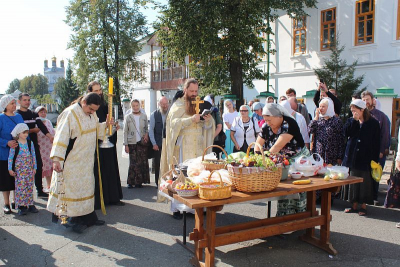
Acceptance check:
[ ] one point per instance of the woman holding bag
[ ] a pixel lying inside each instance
(362, 133)
(136, 138)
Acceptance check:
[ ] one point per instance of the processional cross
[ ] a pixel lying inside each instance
(197, 102)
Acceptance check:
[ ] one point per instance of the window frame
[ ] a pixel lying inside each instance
(294, 21)
(324, 22)
(372, 3)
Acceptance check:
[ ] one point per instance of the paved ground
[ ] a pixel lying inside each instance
(141, 234)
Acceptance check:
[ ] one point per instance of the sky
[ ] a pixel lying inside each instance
(33, 31)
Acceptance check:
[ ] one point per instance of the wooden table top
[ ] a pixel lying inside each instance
(284, 188)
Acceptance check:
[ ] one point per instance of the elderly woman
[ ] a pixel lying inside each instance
(328, 133)
(244, 129)
(136, 142)
(362, 134)
(45, 146)
(8, 120)
(281, 134)
(227, 117)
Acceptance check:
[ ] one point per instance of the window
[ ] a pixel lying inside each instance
(328, 28)
(364, 22)
(263, 56)
(398, 20)
(299, 35)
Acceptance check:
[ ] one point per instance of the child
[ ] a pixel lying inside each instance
(22, 165)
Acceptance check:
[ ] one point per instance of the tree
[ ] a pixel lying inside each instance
(14, 86)
(67, 89)
(337, 74)
(34, 85)
(106, 41)
(222, 38)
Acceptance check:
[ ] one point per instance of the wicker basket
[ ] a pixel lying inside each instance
(171, 187)
(214, 193)
(187, 193)
(258, 180)
(210, 166)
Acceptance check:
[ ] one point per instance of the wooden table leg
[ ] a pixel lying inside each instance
(199, 227)
(210, 232)
(311, 207)
(325, 231)
(323, 241)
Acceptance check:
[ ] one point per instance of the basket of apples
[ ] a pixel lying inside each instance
(187, 189)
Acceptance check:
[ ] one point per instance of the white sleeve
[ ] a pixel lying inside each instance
(303, 129)
(398, 148)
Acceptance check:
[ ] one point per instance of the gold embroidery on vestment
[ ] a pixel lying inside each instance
(72, 199)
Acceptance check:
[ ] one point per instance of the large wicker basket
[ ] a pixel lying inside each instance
(254, 179)
(214, 193)
(211, 165)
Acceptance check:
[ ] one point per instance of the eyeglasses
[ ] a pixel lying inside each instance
(244, 110)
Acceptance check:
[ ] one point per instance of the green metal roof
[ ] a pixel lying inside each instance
(267, 94)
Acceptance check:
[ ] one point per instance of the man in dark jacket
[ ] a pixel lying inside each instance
(157, 121)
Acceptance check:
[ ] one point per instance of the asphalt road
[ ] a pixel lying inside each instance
(142, 233)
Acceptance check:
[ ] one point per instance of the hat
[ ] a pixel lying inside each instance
(257, 106)
(359, 103)
(19, 128)
(4, 101)
(39, 108)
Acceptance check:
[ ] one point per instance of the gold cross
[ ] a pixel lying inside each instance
(197, 102)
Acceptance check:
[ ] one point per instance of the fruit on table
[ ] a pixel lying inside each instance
(299, 182)
(187, 186)
(327, 178)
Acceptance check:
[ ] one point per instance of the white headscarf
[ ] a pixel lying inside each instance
(19, 128)
(287, 105)
(330, 111)
(39, 108)
(208, 99)
(4, 101)
(359, 103)
(275, 110)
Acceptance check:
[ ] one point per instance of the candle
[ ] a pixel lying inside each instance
(110, 85)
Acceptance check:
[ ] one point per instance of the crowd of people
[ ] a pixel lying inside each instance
(30, 148)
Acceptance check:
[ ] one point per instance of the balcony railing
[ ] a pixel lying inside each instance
(175, 73)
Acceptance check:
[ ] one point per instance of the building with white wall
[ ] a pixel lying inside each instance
(369, 30)
(53, 73)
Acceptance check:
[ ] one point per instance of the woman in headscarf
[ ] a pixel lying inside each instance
(281, 134)
(8, 120)
(362, 133)
(244, 129)
(328, 133)
(227, 117)
(45, 146)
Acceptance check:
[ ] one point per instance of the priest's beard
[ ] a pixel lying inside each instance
(189, 107)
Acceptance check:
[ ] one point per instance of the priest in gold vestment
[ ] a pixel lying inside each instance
(72, 184)
(186, 134)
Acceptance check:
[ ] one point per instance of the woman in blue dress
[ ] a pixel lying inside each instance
(8, 120)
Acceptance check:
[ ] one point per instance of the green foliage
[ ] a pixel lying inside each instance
(67, 90)
(222, 38)
(339, 75)
(34, 85)
(14, 86)
(105, 41)
(44, 99)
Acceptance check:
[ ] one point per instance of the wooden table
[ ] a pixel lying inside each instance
(209, 236)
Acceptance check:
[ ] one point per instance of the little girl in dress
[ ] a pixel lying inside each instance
(22, 165)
